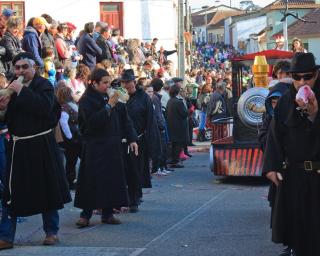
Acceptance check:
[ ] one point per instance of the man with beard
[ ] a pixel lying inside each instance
(140, 110)
(294, 139)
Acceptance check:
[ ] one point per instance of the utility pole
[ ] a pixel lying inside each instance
(285, 34)
(285, 26)
(187, 29)
(181, 48)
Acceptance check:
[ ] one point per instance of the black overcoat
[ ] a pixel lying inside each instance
(293, 138)
(101, 181)
(177, 121)
(38, 181)
(140, 109)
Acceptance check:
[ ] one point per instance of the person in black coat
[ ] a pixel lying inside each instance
(35, 180)
(279, 89)
(104, 44)
(87, 47)
(140, 110)
(101, 180)
(157, 85)
(178, 125)
(217, 107)
(294, 139)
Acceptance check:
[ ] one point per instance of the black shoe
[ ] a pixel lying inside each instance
(133, 209)
(176, 166)
(287, 252)
(188, 154)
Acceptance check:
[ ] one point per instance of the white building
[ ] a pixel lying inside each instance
(244, 26)
(143, 19)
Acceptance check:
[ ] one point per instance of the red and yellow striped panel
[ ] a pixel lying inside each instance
(238, 161)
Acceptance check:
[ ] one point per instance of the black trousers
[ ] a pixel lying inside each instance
(131, 164)
(72, 153)
(176, 149)
(160, 157)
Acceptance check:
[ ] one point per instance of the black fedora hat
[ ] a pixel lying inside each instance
(127, 75)
(303, 62)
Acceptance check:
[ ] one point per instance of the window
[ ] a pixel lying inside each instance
(16, 6)
(110, 8)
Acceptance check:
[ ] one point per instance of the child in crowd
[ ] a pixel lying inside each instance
(49, 67)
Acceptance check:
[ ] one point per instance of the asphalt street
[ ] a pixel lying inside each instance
(189, 212)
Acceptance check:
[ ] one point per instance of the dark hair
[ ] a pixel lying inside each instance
(47, 51)
(104, 29)
(157, 84)
(155, 39)
(97, 74)
(89, 27)
(116, 32)
(61, 27)
(174, 91)
(282, 65)
(30, 22)
(47, 17)
(147, 62)
(116, 83)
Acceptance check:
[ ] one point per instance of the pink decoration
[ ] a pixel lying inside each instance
(305, 93)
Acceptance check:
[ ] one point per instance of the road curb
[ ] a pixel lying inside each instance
(199, 149)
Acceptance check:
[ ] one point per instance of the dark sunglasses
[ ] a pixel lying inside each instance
(305, 77)
(24, 66)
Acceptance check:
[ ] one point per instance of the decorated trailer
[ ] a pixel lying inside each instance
(235, 150)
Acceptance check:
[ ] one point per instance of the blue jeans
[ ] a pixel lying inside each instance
(202, 124)
(8, 224)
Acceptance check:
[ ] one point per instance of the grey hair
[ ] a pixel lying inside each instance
(30, 61)
(221, 85)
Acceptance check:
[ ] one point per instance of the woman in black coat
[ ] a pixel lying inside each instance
(101, 181)
(178, 124)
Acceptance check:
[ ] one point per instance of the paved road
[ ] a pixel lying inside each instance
(188, 213)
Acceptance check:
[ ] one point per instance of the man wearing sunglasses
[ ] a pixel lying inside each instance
(35, 181)
(294, 142)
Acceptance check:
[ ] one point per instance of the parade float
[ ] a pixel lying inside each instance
(235, 150)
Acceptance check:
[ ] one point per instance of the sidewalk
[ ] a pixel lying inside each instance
(200, 147)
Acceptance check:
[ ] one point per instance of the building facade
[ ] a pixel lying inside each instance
(142, 19)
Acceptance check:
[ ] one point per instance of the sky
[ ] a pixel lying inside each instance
(235, 3)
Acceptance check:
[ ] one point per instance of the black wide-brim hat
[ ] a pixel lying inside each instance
(127, 75)
(303, 63)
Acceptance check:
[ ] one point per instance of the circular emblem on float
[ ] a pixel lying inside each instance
(251, 106)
